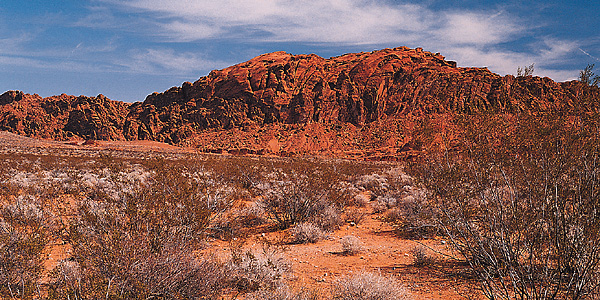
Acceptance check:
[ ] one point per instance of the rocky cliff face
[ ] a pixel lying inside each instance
(289, 104)
(298, 100)
(62, 117)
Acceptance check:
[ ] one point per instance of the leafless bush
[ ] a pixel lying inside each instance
(361, 199)
(384, 203)
(421, 258)
(413, 215)
(525, 218)
(525, 71)
(354, 215)
(67, 277)
(141, 243)
(294, 201)
(251, 215)
(330, 218)
(351, 245)
(23, 236)
(376, 183)
(124, 257)
(369, 286)
(307, 233)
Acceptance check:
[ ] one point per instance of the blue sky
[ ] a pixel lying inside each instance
(127, 49)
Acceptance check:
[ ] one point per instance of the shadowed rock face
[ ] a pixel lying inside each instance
(285, 103)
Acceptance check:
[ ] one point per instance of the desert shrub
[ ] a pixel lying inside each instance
(354, 215)
(351, 245)
(421, 258)
(361, 199)
(587, 76)
(523, 213)
(375, 183)
(281, 292)
(525, 71)
(369, 286)
(384, 184)
(249, 272)
(67, 277)
(305, 191)
(141, 243)
(329, 218)
(307, 233)
(168, 275)
(384, 203)
(294, 201)
(251, 215)
(413, 215)
(23, 235)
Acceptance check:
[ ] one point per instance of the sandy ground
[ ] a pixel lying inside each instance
(319, 264)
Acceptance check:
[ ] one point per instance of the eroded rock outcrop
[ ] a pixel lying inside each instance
(366, 92)
(62, 117)
(365, 103)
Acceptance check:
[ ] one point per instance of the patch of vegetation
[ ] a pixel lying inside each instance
(136, 228)
(369, 286)
(520, 205)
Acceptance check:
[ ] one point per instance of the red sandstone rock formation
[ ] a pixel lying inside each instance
(302, 102)
(62, 117)
(360, 104)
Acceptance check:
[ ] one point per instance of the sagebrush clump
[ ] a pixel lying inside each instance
(351, 245)
(369, 286)
(307, 233)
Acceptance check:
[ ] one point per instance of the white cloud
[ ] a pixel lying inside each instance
(186, 31)
(327, 21)
(477, 28)
(98, 17)
(167, 61)
(546, 53)
(15, 44)
(473, 38)
(44, 63)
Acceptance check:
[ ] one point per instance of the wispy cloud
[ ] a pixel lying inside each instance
(544, 55)
(140, 36)
(14, 44)
(98, 17)
(477, 28)
(472, 37)
(167, 61)
(327, 21)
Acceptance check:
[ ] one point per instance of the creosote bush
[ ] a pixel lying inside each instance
(248, 271)
(413, 215)
(521, 206)
(134, 228)
(421, 258)
(305, 193)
